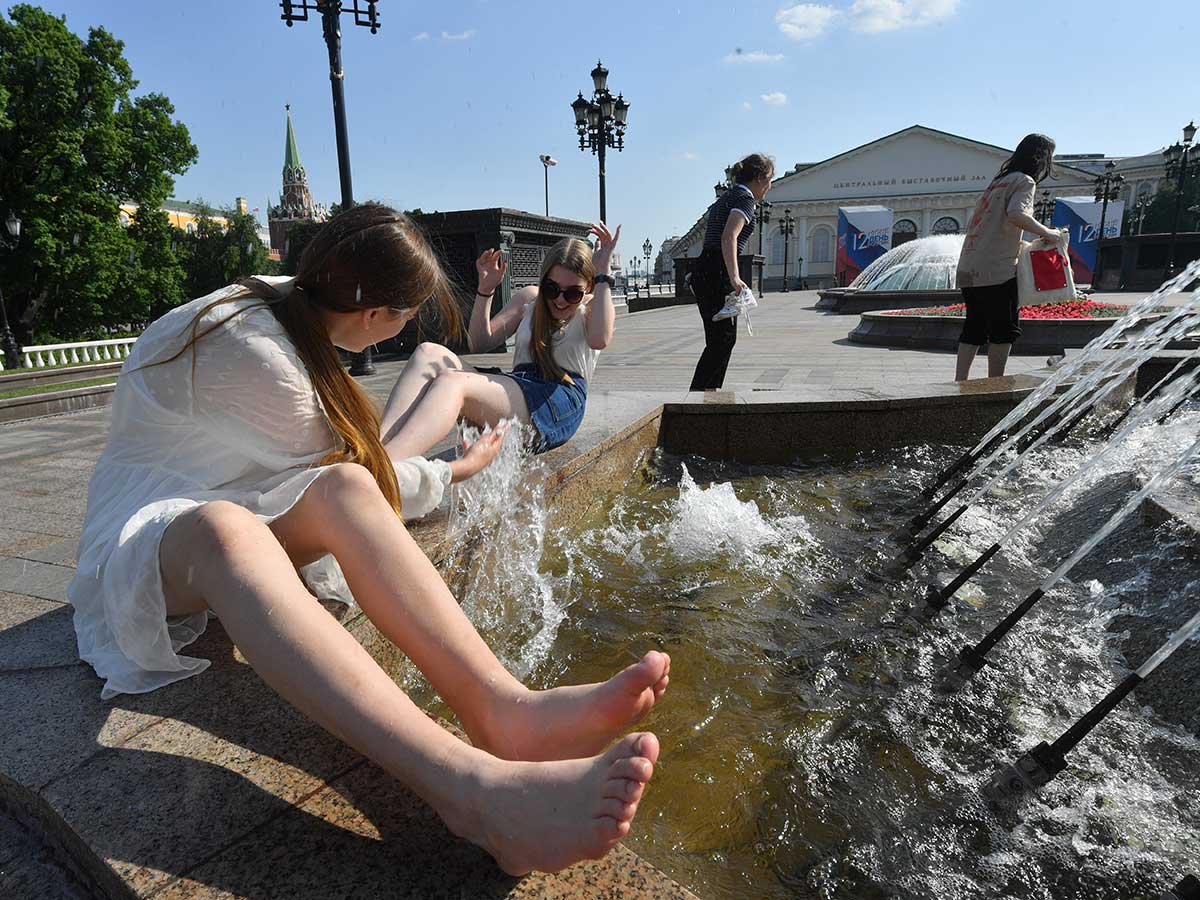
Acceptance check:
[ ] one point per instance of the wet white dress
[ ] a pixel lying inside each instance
(244, 425)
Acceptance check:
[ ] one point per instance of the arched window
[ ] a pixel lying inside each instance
(903, 231)
(945, 225)
(777, 248)
(820, 248)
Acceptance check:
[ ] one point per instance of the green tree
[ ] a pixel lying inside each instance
(1161, 212)
(73, 143)
(219, 254)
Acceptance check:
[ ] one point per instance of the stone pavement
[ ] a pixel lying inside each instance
(61, 742)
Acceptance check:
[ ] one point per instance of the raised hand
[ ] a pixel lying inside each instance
(606, 242)
(491, 267)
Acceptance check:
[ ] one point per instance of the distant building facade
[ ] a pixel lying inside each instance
(931, 180)
(182, 214)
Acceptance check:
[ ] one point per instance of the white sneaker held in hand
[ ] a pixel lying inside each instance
(736, 304)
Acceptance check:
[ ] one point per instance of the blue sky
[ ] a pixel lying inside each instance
(450, 103)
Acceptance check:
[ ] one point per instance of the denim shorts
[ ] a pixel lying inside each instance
(555, 408)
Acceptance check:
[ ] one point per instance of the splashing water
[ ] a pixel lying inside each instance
(499, 522)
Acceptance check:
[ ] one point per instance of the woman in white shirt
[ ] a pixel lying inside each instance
(561, 325)
(987, 265)
(228, 410)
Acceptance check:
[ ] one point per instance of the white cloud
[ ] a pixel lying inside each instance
(423, 36)
(746, 104)
(775, 98)
(805, 20)
(688, 154)
(873, 16)
(753, 56)
(461, 36)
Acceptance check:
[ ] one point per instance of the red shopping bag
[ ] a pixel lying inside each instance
(1049, 269)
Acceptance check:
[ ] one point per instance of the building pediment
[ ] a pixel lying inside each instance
(917, 160)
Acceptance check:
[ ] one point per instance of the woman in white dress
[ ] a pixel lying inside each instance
(228, 410)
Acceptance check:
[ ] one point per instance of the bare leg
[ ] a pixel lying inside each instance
(221, 557)
(966, 356)
(997, 359)
(427, 362)
(399, 589)
(478, 398)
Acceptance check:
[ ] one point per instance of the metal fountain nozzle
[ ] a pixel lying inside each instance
(958, 673)
(1033, 770)
(1188, 889)
(934, 604)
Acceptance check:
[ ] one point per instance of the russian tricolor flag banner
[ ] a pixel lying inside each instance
(864, 235)
(1081, 215)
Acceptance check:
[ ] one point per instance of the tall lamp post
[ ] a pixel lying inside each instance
(1108, 186)
(547, 162)
(1138, 213)
(12, 351)
(600, 123)
(1180, 167)
(1044, 209)
(764, 216)
(647, 249)
(367, 16)
(787, 227)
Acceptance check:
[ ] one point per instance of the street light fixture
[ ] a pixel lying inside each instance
(547, 162)
(1108, 187)
(647, 249)
(12, 350)
(1181, 167)
(367, 16)
(600, 124)
(1045, 208)
(788, 228)
(1138, 213)
(764, 216)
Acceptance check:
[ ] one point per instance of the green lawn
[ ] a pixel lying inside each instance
(49, 388)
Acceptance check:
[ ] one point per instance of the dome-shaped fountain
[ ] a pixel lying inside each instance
(917, 273)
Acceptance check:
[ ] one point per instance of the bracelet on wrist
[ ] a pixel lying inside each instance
(485, 296)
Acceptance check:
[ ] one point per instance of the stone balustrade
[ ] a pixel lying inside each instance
(42, 356)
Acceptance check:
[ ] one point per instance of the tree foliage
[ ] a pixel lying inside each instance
(74, 141)
(1160, 214)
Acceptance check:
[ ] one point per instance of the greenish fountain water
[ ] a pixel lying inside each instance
(805, 751)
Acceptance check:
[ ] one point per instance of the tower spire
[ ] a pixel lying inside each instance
(295, 202)
(291, 151)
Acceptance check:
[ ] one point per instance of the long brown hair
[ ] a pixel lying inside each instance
(365, 257)
(573, 254)
(1034, 156)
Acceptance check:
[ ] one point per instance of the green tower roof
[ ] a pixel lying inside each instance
(291, 153)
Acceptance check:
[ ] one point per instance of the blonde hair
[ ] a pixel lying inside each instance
(575, 255)
(365, 257)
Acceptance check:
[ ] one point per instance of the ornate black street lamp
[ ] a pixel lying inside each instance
(787, 227)
(547, 162)
(647, 249)
(1108, 187)
(1179, 166)
(9, 239)
(1044, 208)
(764, 216)
(600, 123)
(365, 14)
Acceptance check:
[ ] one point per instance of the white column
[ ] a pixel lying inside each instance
(926, 222)
(802, 244)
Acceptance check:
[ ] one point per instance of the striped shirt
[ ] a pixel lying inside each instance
(737, 200)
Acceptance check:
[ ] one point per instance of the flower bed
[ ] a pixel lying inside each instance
(1070, 309)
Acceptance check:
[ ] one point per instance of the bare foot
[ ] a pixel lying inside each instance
(549, 815)
(573, 721)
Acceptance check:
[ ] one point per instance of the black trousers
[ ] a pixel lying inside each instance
(710, 284)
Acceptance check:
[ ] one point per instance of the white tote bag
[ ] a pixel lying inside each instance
(1044, 272)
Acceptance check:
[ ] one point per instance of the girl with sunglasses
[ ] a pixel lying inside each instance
(561, 325)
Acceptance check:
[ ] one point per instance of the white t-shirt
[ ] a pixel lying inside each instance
(569, 346)
(989, 252)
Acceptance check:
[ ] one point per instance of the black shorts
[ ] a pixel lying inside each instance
(992, 314)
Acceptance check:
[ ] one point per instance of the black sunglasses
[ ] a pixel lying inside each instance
(551, 290)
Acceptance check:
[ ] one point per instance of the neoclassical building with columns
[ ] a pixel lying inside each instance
(930, 179)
